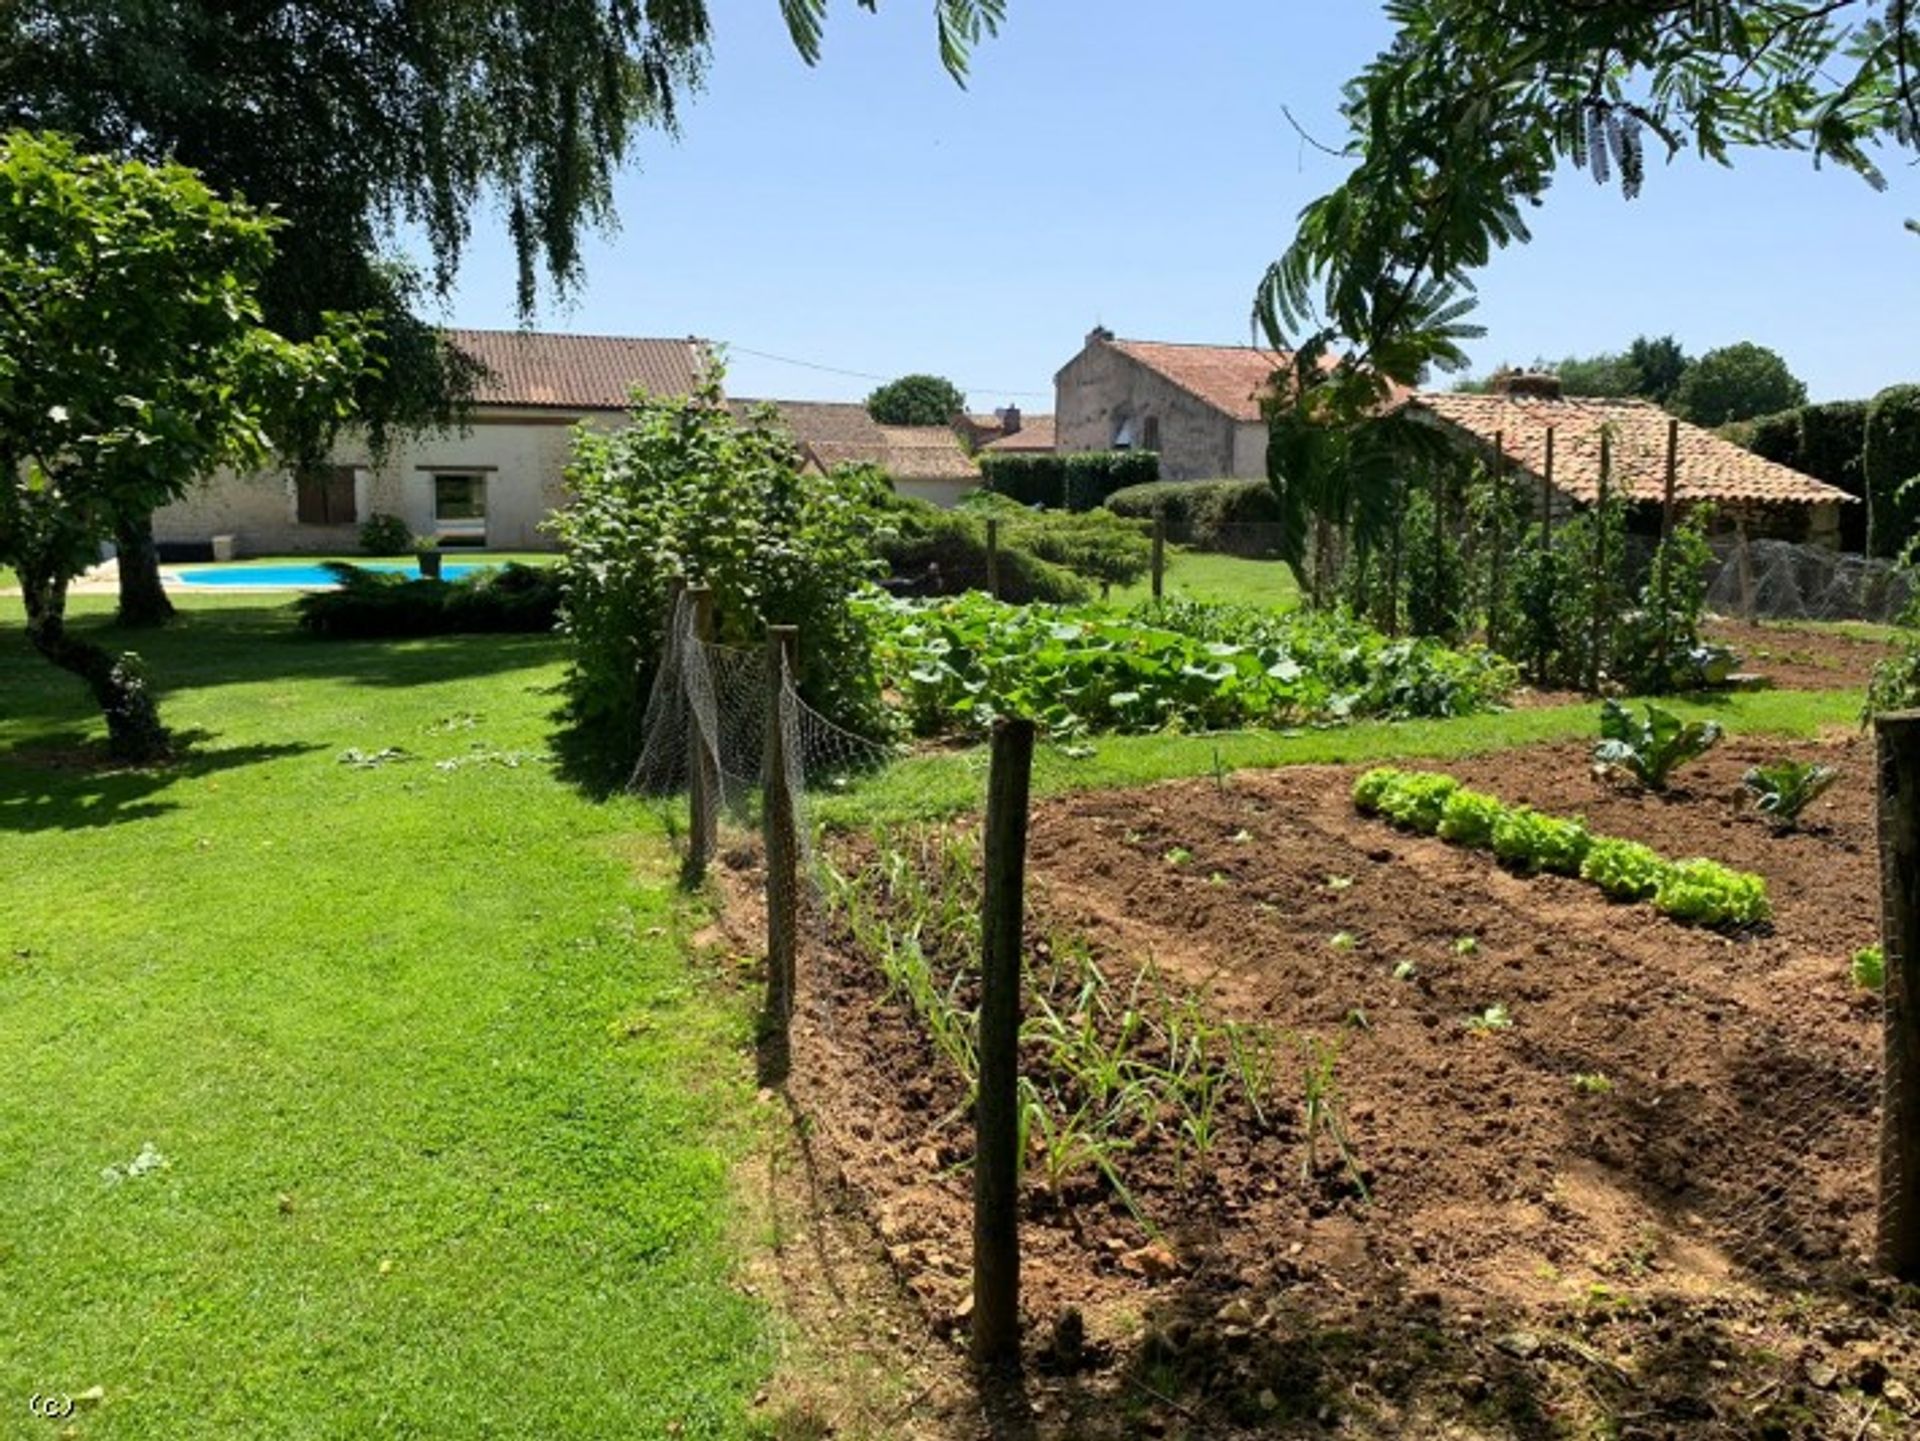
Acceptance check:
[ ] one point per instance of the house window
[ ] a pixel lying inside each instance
(1150, 434)
(460, 507)
(1123, 435)
(323, 495)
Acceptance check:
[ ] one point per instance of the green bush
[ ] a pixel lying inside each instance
(686, 489)
(1657, 646)
(379, 604)
(1079, 480)
(383, 534)
(1233, 517)
(1891, 459)
(1095, 544)
(1432, 572)
(944, 552)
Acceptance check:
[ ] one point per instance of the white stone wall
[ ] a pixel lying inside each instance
(523, 456)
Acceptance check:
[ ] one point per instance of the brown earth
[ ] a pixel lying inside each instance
(1800, 658)
(1679, 1249)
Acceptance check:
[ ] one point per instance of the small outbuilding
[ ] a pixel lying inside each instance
(1526, 418)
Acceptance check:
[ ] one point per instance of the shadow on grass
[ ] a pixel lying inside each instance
(235, 645)
(65, 782)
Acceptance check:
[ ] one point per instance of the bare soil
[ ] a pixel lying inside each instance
(1678, 1248)
(1797, 658)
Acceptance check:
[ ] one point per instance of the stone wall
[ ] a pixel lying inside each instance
(1101, 390)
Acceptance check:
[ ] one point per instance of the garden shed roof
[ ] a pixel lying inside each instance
(1711, 468)
(548, 370)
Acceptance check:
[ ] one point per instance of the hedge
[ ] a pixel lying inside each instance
(918, 536)
(1825, 441)
(380, 605)
(1238, 517)
(1892, 458)
(1077, 481)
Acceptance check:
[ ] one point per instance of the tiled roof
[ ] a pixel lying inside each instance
(1230, 378)
(578, 372)
(1035, 434)
(1709, 468)
(839, 432)
(926, 452)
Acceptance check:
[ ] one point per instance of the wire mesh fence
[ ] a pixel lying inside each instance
(1778, 580)
(1822, 1098)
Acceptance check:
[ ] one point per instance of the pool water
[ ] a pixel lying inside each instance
(311, 577)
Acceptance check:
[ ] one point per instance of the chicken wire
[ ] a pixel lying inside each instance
(1778, 580)
(1793, 1211)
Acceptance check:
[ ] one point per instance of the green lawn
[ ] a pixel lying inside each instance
(447, 1116)
(1201, 575)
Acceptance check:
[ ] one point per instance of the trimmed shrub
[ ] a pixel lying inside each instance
(1890, 459)
(1825, 441)
(1077, 481)
(383, 534)
(1236, 517)
(380, 605)
(931, 552)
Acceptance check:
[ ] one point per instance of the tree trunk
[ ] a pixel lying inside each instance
(134, 731)
(143, 601)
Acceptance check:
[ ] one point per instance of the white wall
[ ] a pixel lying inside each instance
(522, 454)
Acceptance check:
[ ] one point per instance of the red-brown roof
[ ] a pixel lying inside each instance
(1035, 434)
(1709, 468)
(1230, 378)
(578, 372)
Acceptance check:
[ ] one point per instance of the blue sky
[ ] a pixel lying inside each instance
(1129, 163)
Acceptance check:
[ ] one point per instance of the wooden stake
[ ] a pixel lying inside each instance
(779, 826)
(993, 558)
(996, 1165)
(1159, 549)
(1493, 574)
(703, 772)
(1898, 747)
(1546, 497)
(1666, 556)
(1743, 558)
(1601, 600)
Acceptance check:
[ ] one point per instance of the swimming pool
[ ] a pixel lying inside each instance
(311, 577)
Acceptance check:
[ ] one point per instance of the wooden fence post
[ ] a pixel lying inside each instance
(996, 1164)
(993, 558)
(1159, 549)
(1546, 497)
(1601, 600)
(1493, 577)
(703, 778)
(1666, 557)
(1743, 561)
(780, 828)
(1898, 743)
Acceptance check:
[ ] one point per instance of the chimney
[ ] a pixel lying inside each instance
(1099, 334)
(1538, 384)
(1010, 420)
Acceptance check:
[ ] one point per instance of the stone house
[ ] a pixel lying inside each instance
(488, 483)
(1197, 406)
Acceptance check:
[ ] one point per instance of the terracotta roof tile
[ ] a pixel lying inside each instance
(1230, 378)
(1035, 434)
(1710, 468)
(578, 372)
(841, 432)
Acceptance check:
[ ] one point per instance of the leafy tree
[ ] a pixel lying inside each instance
(1598, 375)
(1660, 365)
(1737, 382)
(916, 400)
(685, 489)
(348, 117)
(1891, 461)
(132, 363)
(1462, 124)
